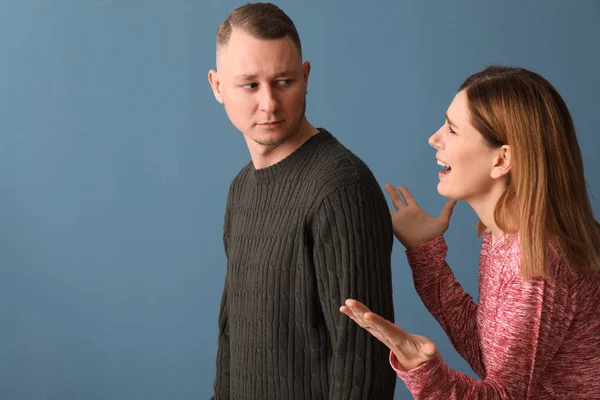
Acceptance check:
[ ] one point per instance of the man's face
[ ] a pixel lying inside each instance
(262, 84)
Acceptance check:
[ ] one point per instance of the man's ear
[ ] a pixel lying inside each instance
(306, 73)
(215, 83)
(502, 163)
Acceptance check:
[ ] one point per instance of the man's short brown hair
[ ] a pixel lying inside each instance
(261, 20)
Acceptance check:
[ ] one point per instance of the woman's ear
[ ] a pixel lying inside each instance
(502, 162)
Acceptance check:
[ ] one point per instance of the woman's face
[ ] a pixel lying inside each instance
(467, 160)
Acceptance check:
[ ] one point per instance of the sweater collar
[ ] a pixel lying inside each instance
(277, 170)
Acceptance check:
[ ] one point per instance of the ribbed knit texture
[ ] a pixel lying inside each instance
(301, 236)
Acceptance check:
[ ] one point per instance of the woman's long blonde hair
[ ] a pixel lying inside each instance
(546, 192)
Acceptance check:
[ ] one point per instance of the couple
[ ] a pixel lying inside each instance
(307, 230)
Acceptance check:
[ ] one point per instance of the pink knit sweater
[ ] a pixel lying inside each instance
(537, 339)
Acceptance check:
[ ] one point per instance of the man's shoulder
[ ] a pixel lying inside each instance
(337, 166)
(340, 175)
(241, 177)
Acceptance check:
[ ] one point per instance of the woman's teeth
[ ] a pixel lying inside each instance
(446, 166)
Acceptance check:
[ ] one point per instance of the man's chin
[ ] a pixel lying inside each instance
(274, 137)
(270, 139)
(270, 142)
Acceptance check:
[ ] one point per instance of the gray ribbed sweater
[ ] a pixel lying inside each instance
(301, 236)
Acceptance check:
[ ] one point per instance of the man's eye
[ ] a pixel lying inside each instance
(250, 86)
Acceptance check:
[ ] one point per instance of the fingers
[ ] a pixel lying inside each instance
(394, 196)
(378, 326)
(356, 305)
(447, 210)
(358, 311)
(346, 310)
(360, 314)
(414, 349)
(356, 317)
(387, 328)
(408, 198)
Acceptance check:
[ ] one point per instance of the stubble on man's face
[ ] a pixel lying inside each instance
(267, 63)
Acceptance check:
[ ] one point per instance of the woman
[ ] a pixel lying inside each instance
(508, 148)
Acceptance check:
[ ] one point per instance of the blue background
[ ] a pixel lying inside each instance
(115, 161)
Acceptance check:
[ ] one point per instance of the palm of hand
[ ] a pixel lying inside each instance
(412, 225)
(410, 350)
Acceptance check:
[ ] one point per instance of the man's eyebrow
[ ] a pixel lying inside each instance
(284, 73)
(245, 77)
(250, 77)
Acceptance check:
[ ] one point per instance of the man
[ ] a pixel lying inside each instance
(306, 227)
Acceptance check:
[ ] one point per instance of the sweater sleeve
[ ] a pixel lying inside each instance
(221, 383)
(353, 240)
(446, 300)
(532, 320)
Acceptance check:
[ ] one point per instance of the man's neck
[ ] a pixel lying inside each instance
(266, 156)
